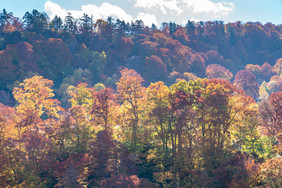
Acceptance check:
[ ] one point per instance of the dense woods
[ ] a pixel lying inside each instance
(105, 103)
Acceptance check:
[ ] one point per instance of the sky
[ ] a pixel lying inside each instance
(155, 11)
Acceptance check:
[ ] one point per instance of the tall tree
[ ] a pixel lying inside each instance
(56, 24)
(246, 80)
(36, 21)
(86, 24)
(70, 24)
(130, 92)
(103, 108)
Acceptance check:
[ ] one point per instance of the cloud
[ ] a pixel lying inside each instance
(164, 5)
(104, 11)
(214, 9)
(148, 19)
(186, 8)
(150, 11)
(53, 9)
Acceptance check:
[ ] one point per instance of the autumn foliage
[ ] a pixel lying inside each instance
(114, 104)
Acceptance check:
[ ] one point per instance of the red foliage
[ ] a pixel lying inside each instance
(276, 102)
(214, 57)
(154, 69)
(246, 80)
(104, 99)
(71, 171)
(218, 71)
(123, 47)
(55, 55)
(267, 71)
(17, 57)
(123, 180)
(198, 64)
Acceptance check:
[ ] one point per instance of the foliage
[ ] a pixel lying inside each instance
(174, 128)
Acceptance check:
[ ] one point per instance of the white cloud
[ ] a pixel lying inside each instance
(209, 7)
(104, 11)
(184, 8)
(151, 11)
(164, 5)
(53, 9)
(148, 19)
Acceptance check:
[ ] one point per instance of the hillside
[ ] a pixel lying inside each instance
(57, 49)
(106, 103)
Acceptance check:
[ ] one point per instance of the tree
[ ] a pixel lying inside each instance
(5, 18)
(214, 115)
(72, 172)
(190, 27)
(36, 21)
(80, 129)
(182, 127)
(246, 80)
(278, 66)
(267, 71)
(218, 71)
(157, 121)
(56, 24)
(255, 69)
(81, 95)
(35, 106)
(158, 109)
(271, 114)
(103, 108)
(270, 172)
(130, 92)
(110, 159)
(154, 68)
(9, 152)
(70, 24)
(34, 98)
(86, 24)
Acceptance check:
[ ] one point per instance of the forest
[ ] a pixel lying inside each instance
(105, 103)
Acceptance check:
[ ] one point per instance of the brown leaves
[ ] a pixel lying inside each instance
(103, 108)
(73, 170)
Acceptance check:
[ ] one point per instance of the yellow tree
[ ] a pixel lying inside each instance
(34, 106)
(157, 105)
(131, 92)
(34, 99)
(79, 116)
(81, 95)
(8, 152)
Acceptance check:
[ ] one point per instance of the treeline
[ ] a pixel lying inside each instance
(201, 133)
(69, 51)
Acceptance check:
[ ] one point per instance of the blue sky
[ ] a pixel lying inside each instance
(156, 11)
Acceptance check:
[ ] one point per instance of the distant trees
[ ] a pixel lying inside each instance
(218, 71)
(70, 23)
(56, 24)
(36, 21)
(246, 80)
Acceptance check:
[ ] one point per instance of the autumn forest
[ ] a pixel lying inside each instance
(105, 103)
